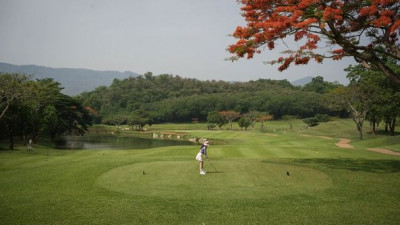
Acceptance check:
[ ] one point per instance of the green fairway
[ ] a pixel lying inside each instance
(326, 184)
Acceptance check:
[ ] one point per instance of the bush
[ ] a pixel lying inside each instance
(322, 117)
(211, 126)
(311, 122)
(244, 122)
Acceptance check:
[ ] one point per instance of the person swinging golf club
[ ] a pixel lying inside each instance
(199, 156)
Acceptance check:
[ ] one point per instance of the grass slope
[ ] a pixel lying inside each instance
(327, 184)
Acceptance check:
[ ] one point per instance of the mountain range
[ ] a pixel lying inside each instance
(74, 81)
(302, 81)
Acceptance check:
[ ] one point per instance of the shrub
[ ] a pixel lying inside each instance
(311, 122)
(322, 117)
(211, 126)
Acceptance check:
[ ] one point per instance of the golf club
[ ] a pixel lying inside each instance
(212, 165)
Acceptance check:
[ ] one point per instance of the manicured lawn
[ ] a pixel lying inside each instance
(326, 184)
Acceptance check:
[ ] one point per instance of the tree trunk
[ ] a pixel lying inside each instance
(359, 122)
(373, 127)
(11, 141)
(359, 128)
(392, 126)
(34, 135)
(386, 127)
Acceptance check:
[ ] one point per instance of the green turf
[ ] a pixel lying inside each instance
(327, 184)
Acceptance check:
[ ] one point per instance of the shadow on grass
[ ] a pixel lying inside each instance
(384, 133)
(365, 165)
(214, 172)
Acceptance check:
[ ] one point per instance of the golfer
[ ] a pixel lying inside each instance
(199, 157)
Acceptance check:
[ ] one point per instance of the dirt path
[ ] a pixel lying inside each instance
(324, 137)
(344, 143)
(384, 151)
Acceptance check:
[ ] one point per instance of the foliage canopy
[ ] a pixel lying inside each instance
(367, 30)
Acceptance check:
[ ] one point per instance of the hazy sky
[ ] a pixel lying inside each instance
(180, 37)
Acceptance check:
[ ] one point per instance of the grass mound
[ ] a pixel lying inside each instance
(235, 179)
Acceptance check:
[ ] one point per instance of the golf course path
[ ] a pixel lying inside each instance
(384, 151)
(344, 143)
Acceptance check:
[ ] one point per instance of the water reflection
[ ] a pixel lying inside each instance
(112, 142)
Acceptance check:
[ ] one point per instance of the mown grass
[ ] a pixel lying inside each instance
(326, 184)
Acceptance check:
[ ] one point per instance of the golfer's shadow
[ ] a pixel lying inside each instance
(214, 172)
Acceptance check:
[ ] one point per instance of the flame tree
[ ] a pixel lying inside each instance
(367, 30)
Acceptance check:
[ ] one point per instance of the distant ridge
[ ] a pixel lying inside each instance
(303, 81)
(74, 81)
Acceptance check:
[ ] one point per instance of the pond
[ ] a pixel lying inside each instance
(113, 142)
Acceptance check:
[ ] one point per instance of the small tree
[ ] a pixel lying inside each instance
(252, 117)
(289, 119)
(211, 126)
(139, 119)
(244, 122)
(230, 116)
(116, 120)
(264, 117)
(215, 118)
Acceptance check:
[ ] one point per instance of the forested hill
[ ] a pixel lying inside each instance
(74, 81)
(168, 98)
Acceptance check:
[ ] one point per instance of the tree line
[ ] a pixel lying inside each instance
(37, 108)
(151, 99)
(168, 98)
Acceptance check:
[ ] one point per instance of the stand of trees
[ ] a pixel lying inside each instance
(167, 98)
(370, 96)
(32, 109)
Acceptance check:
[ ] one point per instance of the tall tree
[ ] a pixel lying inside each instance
(72, 117)
(357, 99)
(42, 94)
(367, 30)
